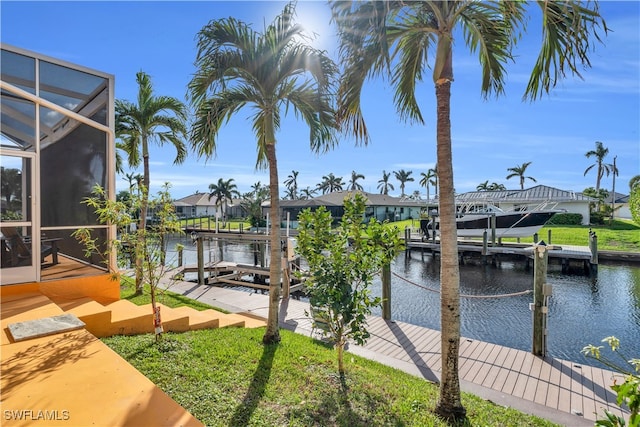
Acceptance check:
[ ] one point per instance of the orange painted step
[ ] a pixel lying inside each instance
(129, 319)
(97, 318)
(224, 320)
(199, 319)
(172, 320)
(250, 320)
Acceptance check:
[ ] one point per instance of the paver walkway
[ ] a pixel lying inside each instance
(559, 390)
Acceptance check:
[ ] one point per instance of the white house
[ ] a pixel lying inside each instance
(540, 195)
(199, 205)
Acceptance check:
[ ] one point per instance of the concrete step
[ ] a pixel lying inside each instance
(96, 316)
(172, 320)
(198, 319)
(129, 319)
(250, 320)
(126, 318)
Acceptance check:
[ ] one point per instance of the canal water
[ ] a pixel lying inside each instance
(582, 310)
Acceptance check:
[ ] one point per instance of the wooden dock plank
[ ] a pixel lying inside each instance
(520, 385)
(480, 368)
(510, 382)
(534, 382)
(495, 366)
(564, 397)
(469, 368)
(553, 390)
(544, 376)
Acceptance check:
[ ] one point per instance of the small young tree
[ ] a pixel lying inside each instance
(148, 244)
(342, 265)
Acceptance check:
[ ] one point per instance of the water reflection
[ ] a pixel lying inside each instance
(582, 310)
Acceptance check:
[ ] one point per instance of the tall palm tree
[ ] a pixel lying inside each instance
(427, 179)
(600, 153)
(419, 36)
(519, 171)
(223, 191)
(330, 183)
(353, 182)
(403, 176)
(384, 185)
(268, 71)
(292, 184)
(159, 119)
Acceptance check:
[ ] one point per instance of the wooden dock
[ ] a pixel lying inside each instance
(231, 273)
(565, 255)
(565, 392)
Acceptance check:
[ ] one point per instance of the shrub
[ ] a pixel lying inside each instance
(597, 218)
(566, 219)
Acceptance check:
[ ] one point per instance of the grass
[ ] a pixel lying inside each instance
(227, 377)
(622, 235)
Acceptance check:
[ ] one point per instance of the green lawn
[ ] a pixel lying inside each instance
(227, 377)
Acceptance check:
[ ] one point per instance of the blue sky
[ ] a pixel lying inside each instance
(489, 136)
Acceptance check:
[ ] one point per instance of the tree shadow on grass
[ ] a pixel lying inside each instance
(336, 406)
(255, 392)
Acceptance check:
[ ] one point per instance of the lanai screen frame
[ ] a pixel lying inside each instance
(67, 126)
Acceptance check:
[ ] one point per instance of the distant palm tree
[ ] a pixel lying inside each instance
(600, 153)
(307, 193)
(403, 176)
(519, 171)
(153, 118)
(384, 185)
(272, 72)
(330, 183)
(292, 185)
(427, 179)
(434, 181)
(415, 195)
(222, 192)
(497, 187)
(483, 186)
(353, 184)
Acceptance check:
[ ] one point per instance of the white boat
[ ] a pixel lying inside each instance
(474, 219)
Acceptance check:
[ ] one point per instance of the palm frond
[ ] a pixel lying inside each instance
(568, 29)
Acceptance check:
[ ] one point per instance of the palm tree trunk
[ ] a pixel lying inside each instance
(449, 404)
(272, 334)
(144, 203)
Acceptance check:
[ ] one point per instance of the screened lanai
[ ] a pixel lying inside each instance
(56, 144)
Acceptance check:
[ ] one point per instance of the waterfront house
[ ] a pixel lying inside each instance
(199, 205)
(539, 196)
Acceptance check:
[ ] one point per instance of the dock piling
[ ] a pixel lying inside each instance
(593, 248)
(540, 296)
(200, 249)
(386, 291)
